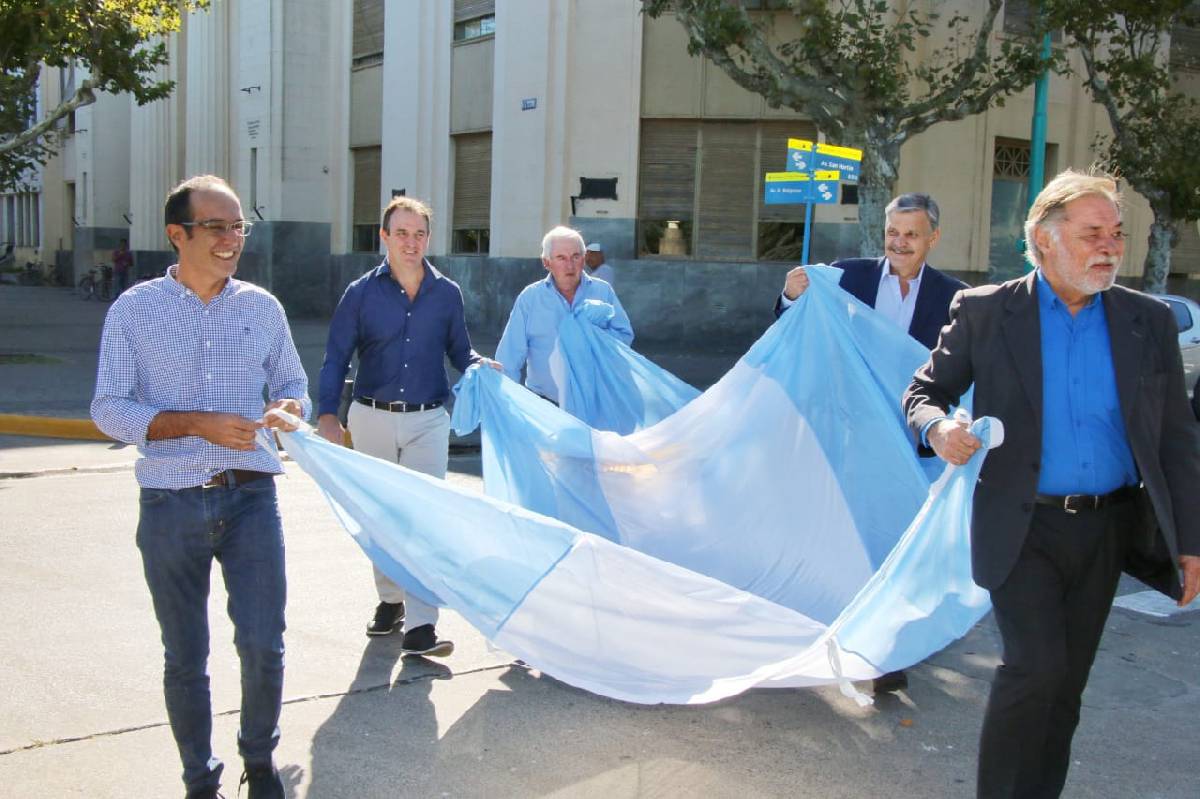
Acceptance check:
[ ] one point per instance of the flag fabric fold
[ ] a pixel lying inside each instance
(776, 530)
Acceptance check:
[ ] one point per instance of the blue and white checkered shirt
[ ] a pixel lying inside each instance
(165, 350)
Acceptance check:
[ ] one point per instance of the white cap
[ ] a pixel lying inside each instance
(595, 246)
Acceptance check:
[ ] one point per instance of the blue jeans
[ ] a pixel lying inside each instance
(179, 533)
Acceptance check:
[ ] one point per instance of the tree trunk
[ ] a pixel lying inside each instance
(1163, 236)
(876, 182)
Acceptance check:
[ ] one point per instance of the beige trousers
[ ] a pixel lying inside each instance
(420, 441)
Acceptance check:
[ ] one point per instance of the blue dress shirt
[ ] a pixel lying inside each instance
(401, 342)
(532, 329)
(164, 350)
(1085, 449)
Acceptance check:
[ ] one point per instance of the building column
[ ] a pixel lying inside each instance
(208, 88)
(529, 124)
(416, 111)
(155, 169)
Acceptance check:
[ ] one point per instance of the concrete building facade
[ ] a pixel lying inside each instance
(510, 118)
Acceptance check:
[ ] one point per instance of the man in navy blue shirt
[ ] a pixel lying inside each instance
(403, 319)
(1097, 473)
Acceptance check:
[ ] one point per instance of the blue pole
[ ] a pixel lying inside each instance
(808, 214)
(1037, 137)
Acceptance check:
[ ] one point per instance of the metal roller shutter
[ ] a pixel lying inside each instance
(472, 180)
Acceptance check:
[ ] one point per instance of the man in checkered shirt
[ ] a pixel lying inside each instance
(184, 363)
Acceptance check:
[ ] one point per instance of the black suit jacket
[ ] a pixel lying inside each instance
(994, 342)
(860, 277)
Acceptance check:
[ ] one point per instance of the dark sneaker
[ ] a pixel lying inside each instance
(423, 640)
(205, 793)
(212, 791)
(890, 683)
(388, 618)
(263, 782)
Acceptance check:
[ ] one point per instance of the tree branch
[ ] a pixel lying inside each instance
(84, 95)
(970, 67)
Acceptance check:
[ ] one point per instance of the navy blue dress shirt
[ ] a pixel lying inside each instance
(1085, 449)
(401, 342)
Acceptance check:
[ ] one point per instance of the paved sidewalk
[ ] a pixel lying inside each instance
(81, 710)
(49, 340)
(27, 456)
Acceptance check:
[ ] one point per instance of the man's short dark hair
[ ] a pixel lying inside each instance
(915, 201)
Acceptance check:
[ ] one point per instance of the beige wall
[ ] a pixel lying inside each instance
(951, 161)
(602, 121)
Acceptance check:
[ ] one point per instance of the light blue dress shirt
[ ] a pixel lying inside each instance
(532, 330)
(1085, 449)
(163, 349)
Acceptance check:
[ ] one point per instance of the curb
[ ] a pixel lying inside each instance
(50, 427)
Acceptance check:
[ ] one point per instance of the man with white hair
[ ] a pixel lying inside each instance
(1097, 473)
(532, 330)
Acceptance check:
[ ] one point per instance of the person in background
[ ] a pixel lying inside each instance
(122, 261)
(597, 267)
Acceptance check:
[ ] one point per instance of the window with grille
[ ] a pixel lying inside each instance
(1011, 159)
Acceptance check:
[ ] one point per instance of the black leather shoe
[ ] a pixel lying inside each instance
(423, 641)
(890, 683)
(388, 618)
(263, 782)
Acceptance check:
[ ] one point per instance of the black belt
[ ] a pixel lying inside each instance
(399, 407)
(1073, 503)
(235, 477)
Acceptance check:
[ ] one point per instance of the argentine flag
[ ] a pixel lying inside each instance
(777, 530)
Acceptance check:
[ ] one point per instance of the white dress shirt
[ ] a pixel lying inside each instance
(888, 301)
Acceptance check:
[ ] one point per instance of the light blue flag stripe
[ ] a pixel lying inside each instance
(435, 539)
(553, 472)
(611, 387)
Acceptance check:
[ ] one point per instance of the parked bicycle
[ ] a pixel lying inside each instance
(33, 274)
(96, 284)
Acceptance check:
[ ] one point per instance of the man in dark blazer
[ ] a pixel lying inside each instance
(887, 284)
(1097, 473)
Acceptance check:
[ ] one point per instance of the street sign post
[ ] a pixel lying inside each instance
(814, 171)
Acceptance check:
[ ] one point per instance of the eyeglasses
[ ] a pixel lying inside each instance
(217, 227)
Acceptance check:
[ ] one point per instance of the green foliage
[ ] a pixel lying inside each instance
(858, 63)
(1123, 46)
(865, 71)
(119, 42)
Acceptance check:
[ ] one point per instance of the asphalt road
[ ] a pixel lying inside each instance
(81, 712)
